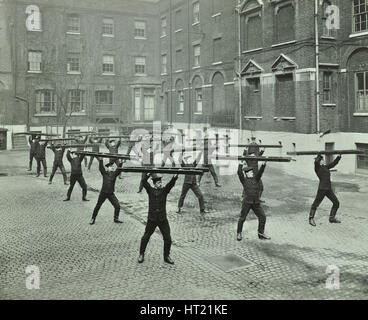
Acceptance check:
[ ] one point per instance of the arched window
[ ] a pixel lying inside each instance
(285, 22)
(180, 100)
(252, 33)
(197, 95)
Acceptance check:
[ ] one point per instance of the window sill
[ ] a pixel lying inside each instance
(196, 67)
(108, 35)
(253, 118)
(35, 30)
(328, 38)
(358, 34)
(178, 30)
(141, 74)
(73, 33)
(284, 118)
(108, 74)
(180, 113)
(283, 43)
(163, 74)
(216, 15)
(360, 114)
(33, 71)
(252, 50)
(178, 71)
(73, 72)
(44, 115)
(140, 38)
(163, 36)
(217, 63)
(329, 105)
(198, 113)
(195, 23)
(79, 114)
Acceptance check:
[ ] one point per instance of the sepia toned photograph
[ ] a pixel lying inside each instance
(183, 150)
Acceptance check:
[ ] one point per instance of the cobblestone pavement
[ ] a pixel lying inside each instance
(79, 261)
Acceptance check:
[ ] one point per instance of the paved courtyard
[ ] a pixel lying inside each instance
(79, 261)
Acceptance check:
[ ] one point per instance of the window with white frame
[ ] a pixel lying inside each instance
(107, 26)
(197, 55)
(326, 31)
(77, 100)
(137, 104)
(108, 64)
(181, 101)
(149, 104)
(45, 101)
(196, 12)
(198, 100)
(360, 15)
(33, 21)
(327, 86)
(73, 23)
(361, 85)
(179, 59)
(140, 29)
(34, 61)
(140, 65)
(163, 26)
(164, 63)
(73, 64)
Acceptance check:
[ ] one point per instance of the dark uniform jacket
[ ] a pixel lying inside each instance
(157, 199)
(251, 185)
(109, 178)
(323, 173)
(96, 142)
(59, 154)
(34, 144)
(113, 149)
(41, 151)
(188, 178)
(75, 163)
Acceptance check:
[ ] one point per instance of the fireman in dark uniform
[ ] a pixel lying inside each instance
(96, 148)
(109, 176)
(76, 174)
(33, 142)
(58, 162)
(324, 189)
(207, 162)
(41, 158)
(81, 140)
(113, 148)
(149, 149)
(190, 182)
(157, 217)
(254, 150)
(251, 187)
(168, 150)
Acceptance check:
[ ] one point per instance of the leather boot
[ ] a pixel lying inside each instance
(93, 220)
(332, 218)
(239, 236)
(311, 217)
(141, 258)
(262, 236)
(168, 260)
(116, 220)
(179, 210)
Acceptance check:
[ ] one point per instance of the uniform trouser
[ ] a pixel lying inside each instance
(258, 211)
(150, 229)
(44, 165)
(73, 179)
(197, 191)
(62, 168)
(101, 199)
(320, 196)
(212, 171)
(168, 155)
(31, 156)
